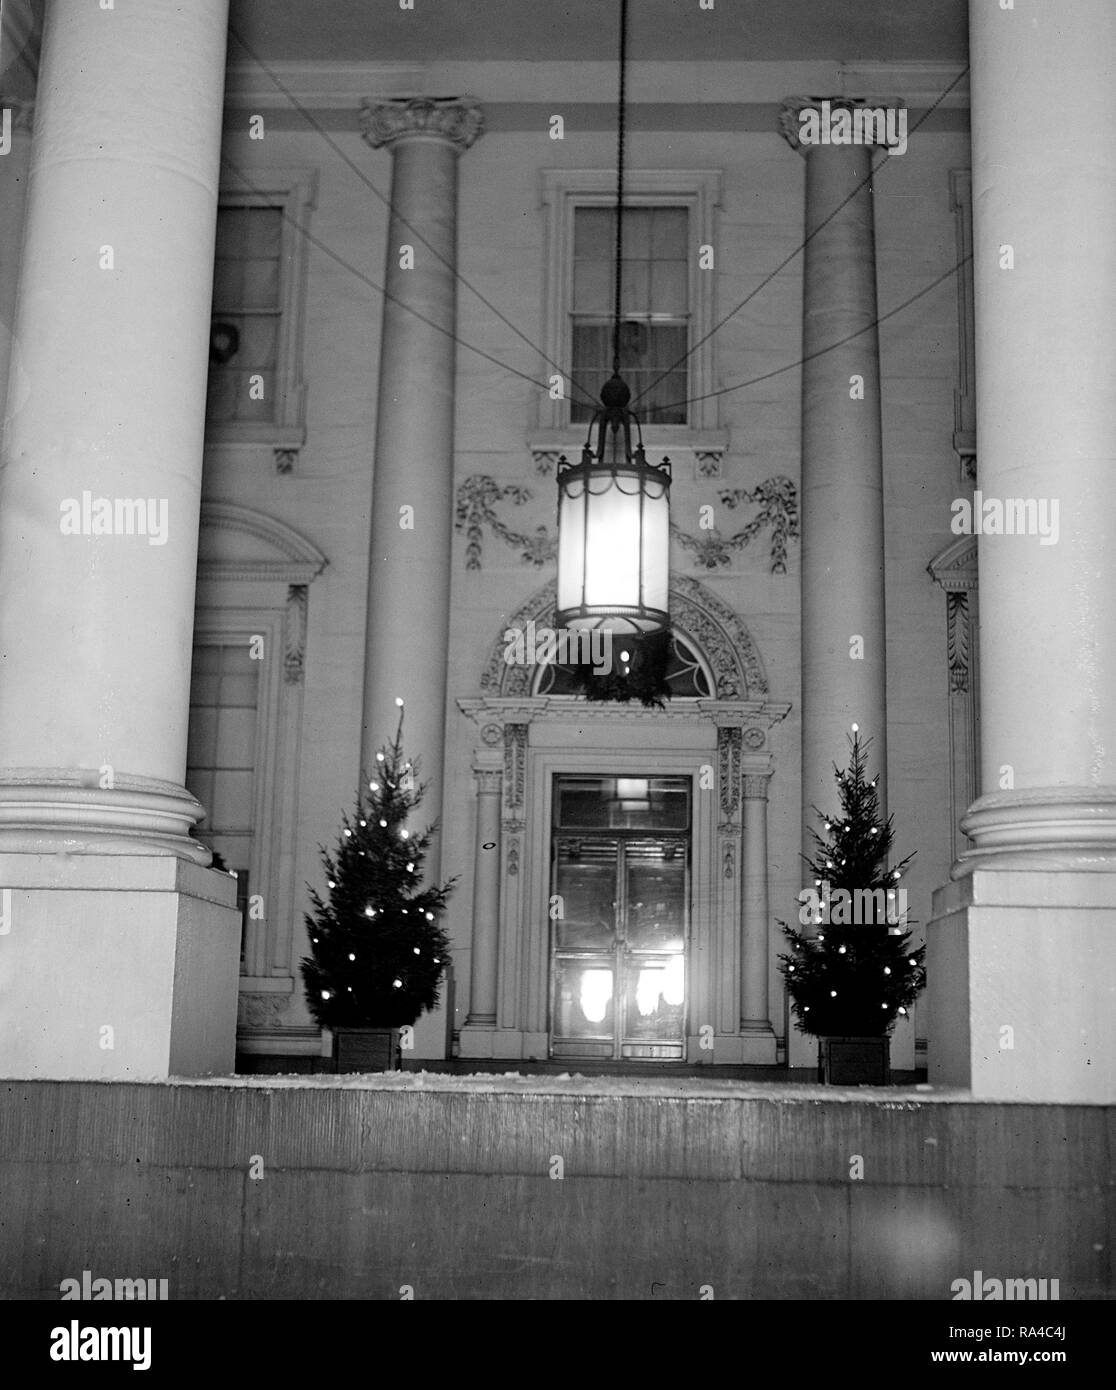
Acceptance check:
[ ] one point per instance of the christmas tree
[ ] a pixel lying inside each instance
(858, 972)
(379, 953)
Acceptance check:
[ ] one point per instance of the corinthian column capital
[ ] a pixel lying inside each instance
(457, 120)
(807, 122)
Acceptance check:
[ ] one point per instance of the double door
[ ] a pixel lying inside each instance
(619, 907)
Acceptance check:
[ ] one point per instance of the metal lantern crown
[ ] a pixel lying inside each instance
(614, 527)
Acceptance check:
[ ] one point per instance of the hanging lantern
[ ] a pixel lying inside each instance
(614, 527)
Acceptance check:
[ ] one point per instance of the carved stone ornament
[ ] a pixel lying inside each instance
(728, 746)
(294, 633)
(958, 639)
(263, 1010)
(460, 120)
(515, 763)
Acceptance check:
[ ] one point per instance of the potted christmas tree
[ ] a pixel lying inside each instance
(379, 952)
(856, 973)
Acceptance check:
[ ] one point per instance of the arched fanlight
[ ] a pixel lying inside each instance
(614, 506)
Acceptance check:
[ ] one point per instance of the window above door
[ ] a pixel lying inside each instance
(667, 300)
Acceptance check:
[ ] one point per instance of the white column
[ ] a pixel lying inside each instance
(412, 489)
(843, 659)
(755, 1021)
(96, 627)
(477, 1035)
(407, 634)
(1022, 950)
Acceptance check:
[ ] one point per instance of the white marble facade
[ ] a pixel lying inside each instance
(393, 514)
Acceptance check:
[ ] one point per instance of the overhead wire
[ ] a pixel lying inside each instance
(566, 375)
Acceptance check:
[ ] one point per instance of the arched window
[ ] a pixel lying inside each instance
(687, 675)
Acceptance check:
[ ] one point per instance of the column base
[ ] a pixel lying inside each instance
(47, 811)
(116, 967)
(1021, 993)
(1055, 828)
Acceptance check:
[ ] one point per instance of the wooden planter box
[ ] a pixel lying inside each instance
(854, 1061)
(366, 1049)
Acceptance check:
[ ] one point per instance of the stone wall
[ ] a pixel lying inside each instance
(450, 1186)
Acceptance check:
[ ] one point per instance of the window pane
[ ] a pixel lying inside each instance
(592, 287)
(236, 738)
(654, 284)
(232, 800)
(593, 233)
(635, 292)
(247, 406)
(203, 734)
(624, 802)
(238, 691)
(228, 290)
(591, 367)
(261, 285)
(668, 287)
(668, 234)
(637, 233)
(221, 401)
(232, 226)
(264, 232)
(258, 335)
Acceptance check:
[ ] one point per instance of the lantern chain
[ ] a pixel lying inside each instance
(620, 142)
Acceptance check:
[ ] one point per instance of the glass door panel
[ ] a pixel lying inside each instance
(653, 998)
(584, 1002)
(618, 963)
(585, 884)
(656, 895)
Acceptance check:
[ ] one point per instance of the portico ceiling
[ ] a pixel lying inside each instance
(564, 30)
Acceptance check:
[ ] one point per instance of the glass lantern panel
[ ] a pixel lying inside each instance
(571, 521)
(612, 550)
